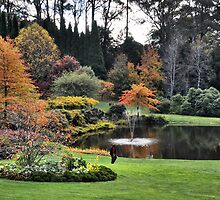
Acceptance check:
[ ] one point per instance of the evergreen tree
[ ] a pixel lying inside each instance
(69, 34)
(9, 27)
(133, 50)
(52, 29)
(14, 29)
(95, 55)
(75, 42)
(82, 49)
(63, 38)
(3, 25)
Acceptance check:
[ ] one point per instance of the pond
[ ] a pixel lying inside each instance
(168, 142)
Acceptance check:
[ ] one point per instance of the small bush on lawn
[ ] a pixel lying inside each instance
(69, 169)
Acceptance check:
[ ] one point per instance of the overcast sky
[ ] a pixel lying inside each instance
(137, 30)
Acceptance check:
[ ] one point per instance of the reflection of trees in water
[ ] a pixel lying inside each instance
(190, 142)
(184, 142)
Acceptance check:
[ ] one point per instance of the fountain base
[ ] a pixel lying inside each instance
(134, 141)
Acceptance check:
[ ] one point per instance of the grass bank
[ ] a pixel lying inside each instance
(190, 120)
(137, 179)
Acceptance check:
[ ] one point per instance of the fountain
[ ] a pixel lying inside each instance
(132, 117)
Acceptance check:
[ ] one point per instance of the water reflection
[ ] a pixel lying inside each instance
(176, 142)
(190, 142)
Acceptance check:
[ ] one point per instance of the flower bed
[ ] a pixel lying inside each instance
(69, 169)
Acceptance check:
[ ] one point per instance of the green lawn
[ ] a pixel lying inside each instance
(190, 120)
(137, 179)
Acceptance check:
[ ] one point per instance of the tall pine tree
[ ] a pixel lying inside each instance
(95, 54)
(3, 25)
(75, 42)
(69, 34)
(14, 29)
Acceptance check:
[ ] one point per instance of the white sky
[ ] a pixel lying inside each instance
(138, 31)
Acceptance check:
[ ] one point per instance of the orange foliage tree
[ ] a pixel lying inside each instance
(31, 115)
(148, 72)
(15, 84)
(139, 95)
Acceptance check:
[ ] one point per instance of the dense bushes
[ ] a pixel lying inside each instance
(197, 102)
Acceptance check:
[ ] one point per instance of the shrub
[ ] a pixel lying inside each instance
(71, 102)
(116, 111)
(93, 115)
(202, 102)
(88, 70)
(100, 125)
(164, 105)
(31, 146)
(153, 120)
(75, 84)
(186, 108)
(175, 104)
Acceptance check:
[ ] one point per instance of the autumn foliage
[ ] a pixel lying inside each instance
(139, 95)
(31, 115)
(148, 72)
(39, 51)
(106, 89)
(15, 84)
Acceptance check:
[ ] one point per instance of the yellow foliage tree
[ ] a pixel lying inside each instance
(15, 84)
(38, 50)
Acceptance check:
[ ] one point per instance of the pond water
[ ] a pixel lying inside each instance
(168, 142)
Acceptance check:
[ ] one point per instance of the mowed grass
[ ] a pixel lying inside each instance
(173, 119)
(138, 179)
(190, 120)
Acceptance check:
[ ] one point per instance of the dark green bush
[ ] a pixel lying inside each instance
(153, 120)
(93, 115)
(116, 112)
(164, 106)
(202, 102)
(176, 103)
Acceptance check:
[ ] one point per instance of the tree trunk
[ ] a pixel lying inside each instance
(47, 9)
(93, 11)
(54, 10)
(5, 107)
(127, 21)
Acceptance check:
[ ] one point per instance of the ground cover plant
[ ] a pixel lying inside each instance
(137, 179)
